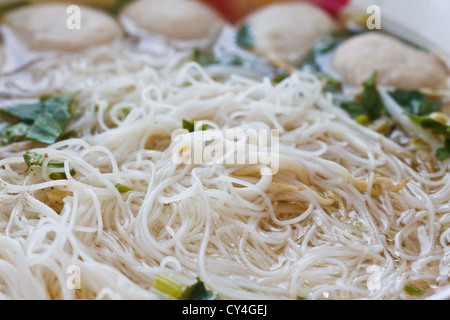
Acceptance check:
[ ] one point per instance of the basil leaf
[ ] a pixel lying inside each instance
(35, 159)
(204, 58)
(14, 132)
(435, 126)
(198, 291)
(354, 109)
(244, 37)
(415, 102)
(324, 48)
(331, 84)
(43, 121)
(372, 99)
(370, 104)
(444, 152)
(45, 129)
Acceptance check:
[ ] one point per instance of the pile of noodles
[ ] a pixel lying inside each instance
(346, 216)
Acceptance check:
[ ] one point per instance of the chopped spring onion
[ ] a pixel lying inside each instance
(411, 289)
(122, 188)
(168, 286)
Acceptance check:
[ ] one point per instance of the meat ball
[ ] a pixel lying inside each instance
(396, 63)
(43, 27)
(288, 31)
(175, 19)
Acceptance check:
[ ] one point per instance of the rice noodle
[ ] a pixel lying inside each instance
(344, 226)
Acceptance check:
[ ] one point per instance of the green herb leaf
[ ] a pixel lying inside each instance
(124, 112)
(415, 102)
(411, 289)
(43, 121)
(204, 58)
(324, 48)
(444, 152)
(14, 132)
(355, 109)
(122, 188)
(198, 291)
(418, 106)
(61, 175)
(35, 159)
(372, 99)
(435, 126)
(370, 104)
(280, 77)
(244, 37)
(331, 84)
(190, 126)
(45, 129)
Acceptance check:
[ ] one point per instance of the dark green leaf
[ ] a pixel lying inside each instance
(244, 37)
(371, 99)
(325, 47)
(36, 159)
(33, 159)
(24, 112)
(415, 102)
(331, 84)
(354, 109)
(61, 175)
(332, 41)
(280, 77)
(197, 291)
(55, 164)
(370, 104)
(190, 126)
(45, 129)
(435, 126)
(69, 135)
(45, 119)
(204, 58)
(444, 152)
(14, 132)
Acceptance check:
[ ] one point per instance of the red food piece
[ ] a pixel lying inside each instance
(332, 6)
(234, 10)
